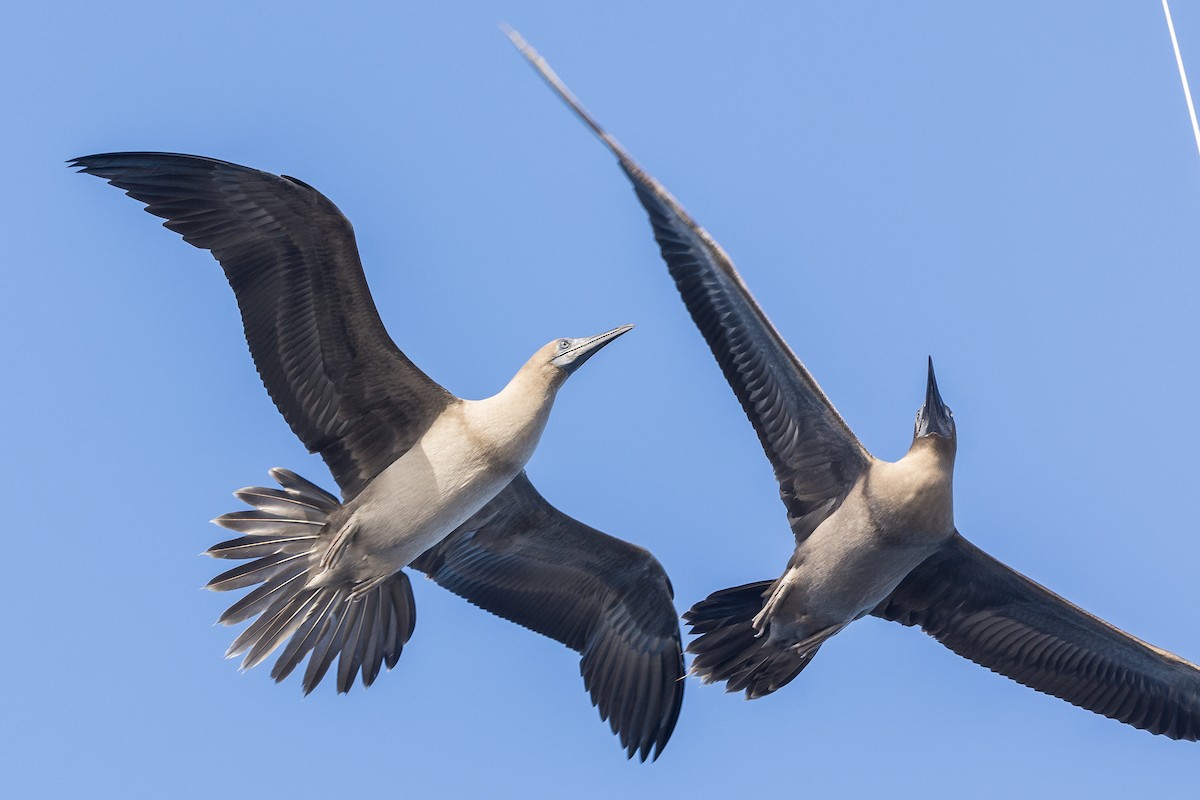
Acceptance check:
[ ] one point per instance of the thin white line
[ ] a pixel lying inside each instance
(1187, 93)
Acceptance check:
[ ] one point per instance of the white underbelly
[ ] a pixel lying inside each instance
(853, 575)
(421, 498)
(846, 568)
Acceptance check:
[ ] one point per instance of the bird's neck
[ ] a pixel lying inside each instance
(512, 420)
(932, 453)
(921, 485)
(531, 391)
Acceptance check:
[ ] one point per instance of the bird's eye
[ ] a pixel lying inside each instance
(563, 344)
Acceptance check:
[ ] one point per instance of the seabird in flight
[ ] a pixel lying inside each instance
(427, 479)
(874, 537)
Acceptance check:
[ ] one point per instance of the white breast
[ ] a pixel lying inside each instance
(463, 460)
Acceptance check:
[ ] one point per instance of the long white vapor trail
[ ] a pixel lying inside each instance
(1187, 93)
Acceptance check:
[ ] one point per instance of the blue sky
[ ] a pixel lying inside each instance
(1011, 188)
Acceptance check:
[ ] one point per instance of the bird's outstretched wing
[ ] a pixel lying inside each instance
(328, 363)
(609, 600)
(1000, 619)
(816, 456)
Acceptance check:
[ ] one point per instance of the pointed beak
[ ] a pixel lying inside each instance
(583, 349)
(935, 416)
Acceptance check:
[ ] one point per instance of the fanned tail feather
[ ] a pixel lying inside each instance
(364, 632)
(729, 648)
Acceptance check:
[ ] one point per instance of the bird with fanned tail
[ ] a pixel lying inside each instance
(874, 537)
(428, 480)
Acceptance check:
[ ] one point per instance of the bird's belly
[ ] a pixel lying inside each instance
(838, 576)
(892, 520)
(419, 500)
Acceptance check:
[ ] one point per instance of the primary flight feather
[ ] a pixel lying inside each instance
(874, 537)
(427, 479)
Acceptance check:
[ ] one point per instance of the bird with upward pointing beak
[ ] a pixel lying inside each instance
(874, 537)
(428, 479)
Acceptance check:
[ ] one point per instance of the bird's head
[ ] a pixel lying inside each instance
(564, 356)
(935, 420)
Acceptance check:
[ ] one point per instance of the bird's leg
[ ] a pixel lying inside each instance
(337, 545)
(361, 589)
(775, 600)
(815, 640)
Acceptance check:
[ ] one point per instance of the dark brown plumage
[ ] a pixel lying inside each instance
(958, 594)
(352, 396)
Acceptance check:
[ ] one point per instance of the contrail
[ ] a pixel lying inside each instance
(1187, 93)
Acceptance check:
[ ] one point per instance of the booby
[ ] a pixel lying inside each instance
(874, 537)
(428, 480)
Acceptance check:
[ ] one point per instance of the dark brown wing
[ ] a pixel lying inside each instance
(998, 618)
(328, 363)
(609, 600)
(815, 454)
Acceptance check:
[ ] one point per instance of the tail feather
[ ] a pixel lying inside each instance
(258, 571)
(282, 625)
(265, 523)
(366, 641)
(363, 631)
(283, 585)
(404, 618)
(351, 656)
(729, 648)
(307, 490)
(282, 503)
(373, 649)
(325, 651)
(283, 599)
(305, 638)
(257, 546)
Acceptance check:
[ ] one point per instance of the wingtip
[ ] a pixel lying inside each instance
(543, 68)
(89, 162)
(80, 164)
(518, 41)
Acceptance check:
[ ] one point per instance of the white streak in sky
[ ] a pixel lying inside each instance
(1187, 93)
